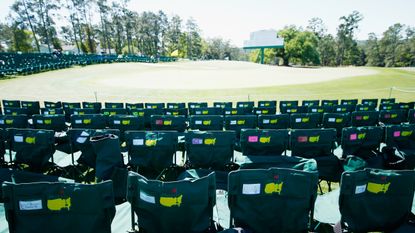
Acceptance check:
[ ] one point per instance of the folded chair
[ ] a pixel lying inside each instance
(349, 102)
(222, 104)
(11, 103)
(175, 105)
(154, 105)
(15, 111)
(336, 121)
(191, 105)
(175, 111)
(329, 102)
(264, 142)
(388, 101)
(292, 109)
(233, 111)
(205, 111)
(51, 104)
(343, 108)
(50, 122)
(272, 200)
(245, 106)
(134, 105)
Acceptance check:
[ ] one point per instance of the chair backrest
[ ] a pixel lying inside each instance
(151, 149)
(33, 107)
(364, 118)
(264, 110)
(11, 103)
(175, 123)
(236, 123)
(175, 112)
(389, 106)
(320, 109)
(200, 122)
(126, 123)
(134, 105)
(373, 102)
(365, 107)
(392, 117)
(288, 103)
(233, 111)
(113, 105)
(343, 108)
(89, 121)
(10, 121)
(279, 121)
(51, 122)
(56, 206)
(411, 116)
(114, 111)
(170, 207)
(349, 102)
(51, 111)
(388, 101)
(16, 111)
(293, 109)
(304, 120)
(92, 105)
(376, 200)
(197, 105)
(310, 103)
(361, 141)
(264, 141)
(267, 103)
(205, 111)
(50, 104)
(329, 102)
(32, 146)
(312, 143)
(222, 104)
(210, 149)
(154, 105)
(245, 106)
(70, 105)
(175, 105)
(254, 195)
(400, 136)
(336, 121)
(81, 111)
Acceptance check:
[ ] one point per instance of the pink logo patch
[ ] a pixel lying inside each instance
(253, 139)
(397, 133)
(359, 118)
(387, 116)
(353, 137)
(302, 139)
(159, 122)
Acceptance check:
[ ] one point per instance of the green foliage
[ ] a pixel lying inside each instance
(347, 51)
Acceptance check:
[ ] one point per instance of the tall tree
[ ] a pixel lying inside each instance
(374, 55)
(389, 44)
(347, 51)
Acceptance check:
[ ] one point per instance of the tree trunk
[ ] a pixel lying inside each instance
(31, 26)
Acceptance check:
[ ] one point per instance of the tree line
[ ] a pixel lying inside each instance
(119, 30)
(314, 46)
(32, 23)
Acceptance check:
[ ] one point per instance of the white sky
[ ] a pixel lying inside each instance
(235, 19)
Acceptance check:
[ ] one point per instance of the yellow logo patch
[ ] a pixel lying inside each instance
(265, 139)
(171, 201)
(210, 141)
(305, 119)
(125, 122)
(167, 122)
(205, 112)
(9, 122)
(59, 204)
(207, 122)
(234, 112)
(365, 118)
(406, 133)
(151, 142)
(14, 113)
(361, 136)
(394, 115)
(275, 121)
(377, 188)
(48, 122)
(271, 188)
(87, 121)
(340, 120)
(30, 140)
(241, 122)
(314, 139)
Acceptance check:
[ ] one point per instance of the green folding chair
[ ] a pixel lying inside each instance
(364, 118)
(411, 116)
(373, 102)
(267, 103)
(222, 104)
(392, 117)
(175, 123)
(10, 121)
(175, 105)
(365, 107)
(264, 142)
(363, 142)
(336, 121)
(292, 109)
(245, 106)
(310, 103)
(134, 105)
(376, 200)
(82, 111)
(170, 207)
(389, 106)
(15, 111)
(233, 111)
(206, 123)
(388, 101)
(205, 111)
(125, 123)
(89, 121)
(304, 120)
(191, 105)
(11, 103)
(154, 105)
(92, 105)
(272, 200)
(343, 108)
(329, 102)
(51, 111)
(402, 137)
(210, 149)
(33, 107)
(50, 122)
(279, 121)
(175, 112)
(288, 104)
(33, 147)
(264, 110)
(59, 207)
(114, 111)
(51, 104)
(349, 102)
(112, 105)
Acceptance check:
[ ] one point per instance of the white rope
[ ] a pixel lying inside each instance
(407, 90)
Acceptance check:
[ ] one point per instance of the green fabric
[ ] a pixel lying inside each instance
(361, 141)
(263, 141)
(114, 111)
(267, 103)
(411, 116)
(108, 155)
(33, 147)
(376, 200)
(33, 107)
(94, 105)
(154, 105)
(279, 121)
(2, 145)
(392, 117)
(237, 123)
(175, 123)
(151, 150)
(89, 121)
(336, 121)
(11, 103)
(9, 121)
(265, 162)
(233, 111)
(342, 108)
(304, 120)
(51, 111)
(312, 143)
(125, 123)
(91, 207)
(354, 163)
(205, 111)
(212, 149)
(364, 118)
(272, 200)
(175, 111)
(184, 206)
(50, 122)
(113, 105)
(265, 110)
(79, 139)
(212, 122)
(402, 137)
(366, 107)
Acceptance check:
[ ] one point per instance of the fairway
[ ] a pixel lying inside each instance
(209, 81)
